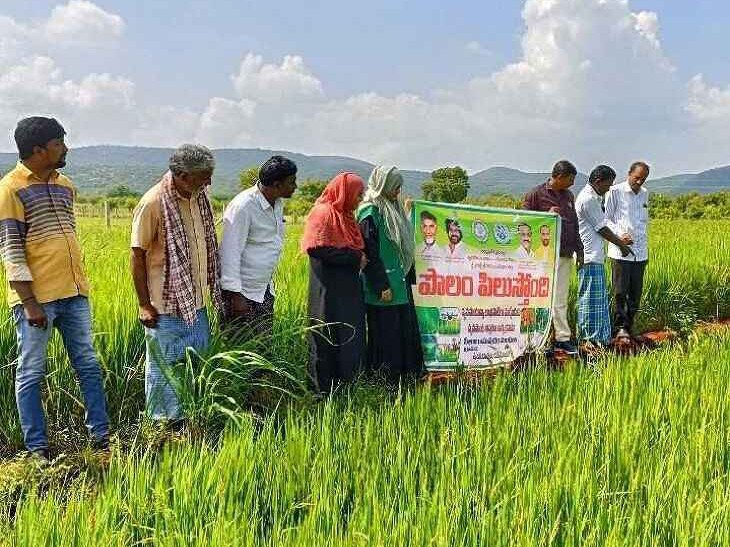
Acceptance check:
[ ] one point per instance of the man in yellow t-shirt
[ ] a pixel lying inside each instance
(47, 284)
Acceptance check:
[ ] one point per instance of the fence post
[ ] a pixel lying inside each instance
(107, 215)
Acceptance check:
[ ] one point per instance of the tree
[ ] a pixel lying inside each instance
(306, 195)
(447, 185)
(311, 189)
(248, 178)
(122, 191)
(505, 201)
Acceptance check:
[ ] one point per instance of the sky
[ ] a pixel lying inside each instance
(418, 84)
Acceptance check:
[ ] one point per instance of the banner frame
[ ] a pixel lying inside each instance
(414, 205)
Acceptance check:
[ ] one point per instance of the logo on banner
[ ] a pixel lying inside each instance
(480, 230)
(502, 234)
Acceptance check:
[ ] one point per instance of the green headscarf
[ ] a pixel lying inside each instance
(386, 180)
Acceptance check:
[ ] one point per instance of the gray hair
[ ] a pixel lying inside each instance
(191, 158)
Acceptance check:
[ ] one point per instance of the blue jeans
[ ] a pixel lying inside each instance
(72, 317)
(166, 345)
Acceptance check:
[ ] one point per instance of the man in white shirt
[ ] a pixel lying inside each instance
(627, 213)
(253, 238)
(594, 319)
(454, 253)
(429, 250)
(525, 248)
(455, 249)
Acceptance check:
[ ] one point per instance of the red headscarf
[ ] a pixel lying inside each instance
(331, 223)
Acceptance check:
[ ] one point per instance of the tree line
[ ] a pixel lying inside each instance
(447, 185)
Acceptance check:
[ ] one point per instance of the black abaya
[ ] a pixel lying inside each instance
(394, 341)
(335, 296)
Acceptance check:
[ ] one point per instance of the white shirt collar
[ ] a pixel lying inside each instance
(626, 187)
(262, 199)
(592, 191)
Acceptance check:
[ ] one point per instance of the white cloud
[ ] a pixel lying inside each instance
(289, 82)
(82, 22)
(165, 126)
(707, 103)
(405, 127)
(589, 71)
(11, 38)
(28, 80)
(592, 83)
(96, 107)
(226, 123)
(582, 59)
(99, 106)
(647, 23)
(95, 90)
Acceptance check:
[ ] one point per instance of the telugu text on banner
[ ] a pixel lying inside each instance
(484, 283)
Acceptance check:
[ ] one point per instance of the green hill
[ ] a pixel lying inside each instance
(96, 169)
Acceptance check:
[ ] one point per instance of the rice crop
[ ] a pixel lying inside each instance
(630, 451)
(633, 452)
(688, 279)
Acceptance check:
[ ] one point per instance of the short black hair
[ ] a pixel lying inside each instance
(544, 226)
(425, 215)
(563, 168)
(36, 131)
(602, 172)
(275, 169)
(521, 224)
(637, 164)
(450, 221)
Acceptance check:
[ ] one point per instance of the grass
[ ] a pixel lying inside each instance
(687, 277)
(119, 340)
(633, 452)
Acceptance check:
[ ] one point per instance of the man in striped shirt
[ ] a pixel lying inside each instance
(48, 287)
(627, 214)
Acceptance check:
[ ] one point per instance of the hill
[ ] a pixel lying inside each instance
(706, 182)
(503, 180)
(95, 169)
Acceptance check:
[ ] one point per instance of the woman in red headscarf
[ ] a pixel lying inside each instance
(335, 246)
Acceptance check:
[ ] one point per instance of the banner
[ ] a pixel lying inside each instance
(484, 283)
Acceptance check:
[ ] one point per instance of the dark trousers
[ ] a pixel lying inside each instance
(257, 322)
(628, 283)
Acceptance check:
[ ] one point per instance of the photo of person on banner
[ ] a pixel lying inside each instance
(544, 252)
(455, 249)
(428, 248)
(525, 248)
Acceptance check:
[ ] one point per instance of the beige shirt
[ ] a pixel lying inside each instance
(147, 235)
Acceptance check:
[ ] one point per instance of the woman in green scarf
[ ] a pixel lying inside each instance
(394, 342)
